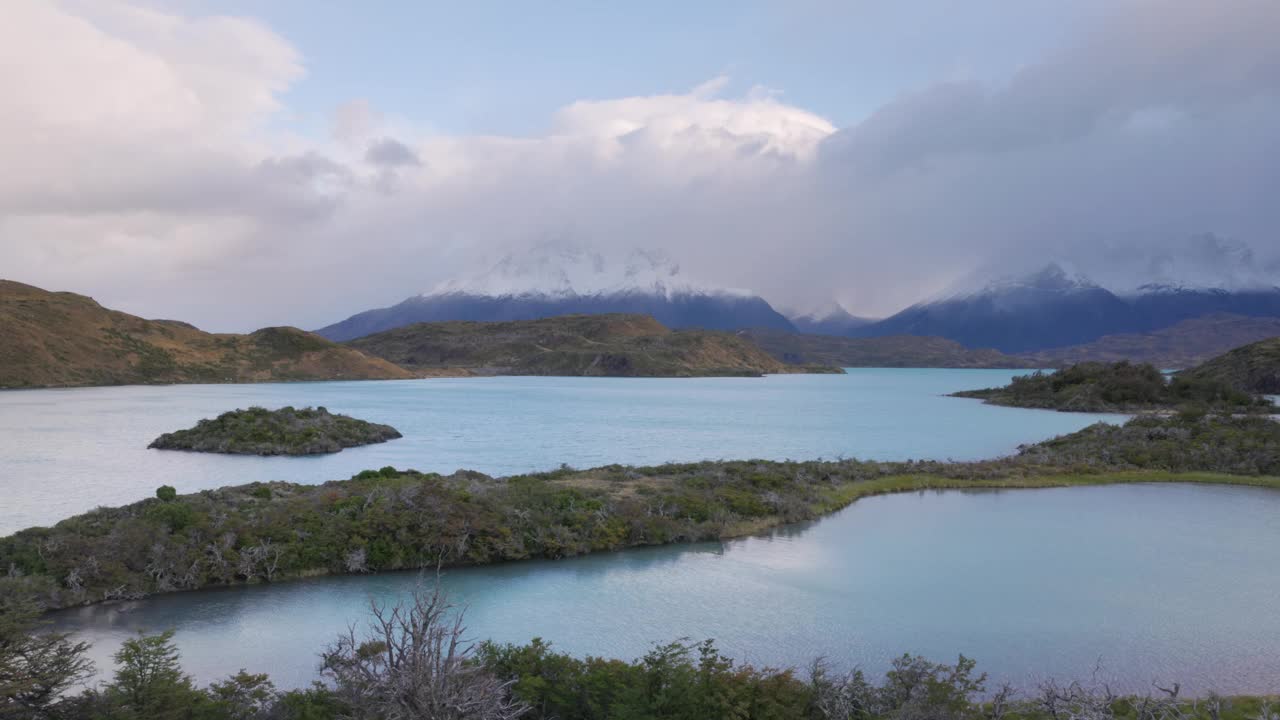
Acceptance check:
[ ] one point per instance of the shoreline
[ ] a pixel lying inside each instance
(839, 498)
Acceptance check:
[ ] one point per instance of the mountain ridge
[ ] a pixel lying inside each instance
(1051, 308)
(617, 345)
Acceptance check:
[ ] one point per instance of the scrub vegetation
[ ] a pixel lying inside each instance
(287, 431)
(1119, 387)
(413, 661)
(392, 519)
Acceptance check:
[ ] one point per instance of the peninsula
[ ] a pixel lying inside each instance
(393, 519)
(1121, 387)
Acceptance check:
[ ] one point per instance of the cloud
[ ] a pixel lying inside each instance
(152, 161)
(389, 152)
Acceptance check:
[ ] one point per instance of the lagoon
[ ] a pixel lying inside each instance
(66, 451)
(1151, 582)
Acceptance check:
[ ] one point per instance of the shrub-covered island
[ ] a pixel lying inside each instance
(400, 519)
(287, 431)
(1118, 387)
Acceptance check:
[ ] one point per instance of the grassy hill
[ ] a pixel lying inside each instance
(54, 339)
(1254, 368)
(1183, 345)
(889, 351)
(598, 345)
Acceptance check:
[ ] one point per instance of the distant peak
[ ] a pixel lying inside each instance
(1053, 277)
(573, 270)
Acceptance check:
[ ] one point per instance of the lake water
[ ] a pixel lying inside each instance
(63, 452)
(1156, 582)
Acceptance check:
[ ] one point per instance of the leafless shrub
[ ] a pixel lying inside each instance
(415, 663)
(357, 561)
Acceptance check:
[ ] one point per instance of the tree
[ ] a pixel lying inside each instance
(166, 493)
(414, 663)
(35, 667)
(149, 682)
(243, 696)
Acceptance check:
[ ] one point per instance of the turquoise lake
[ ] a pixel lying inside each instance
(63, 452)
(1156, 582)
(1165, 583)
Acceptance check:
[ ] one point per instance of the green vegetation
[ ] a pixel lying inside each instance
(415, 662)
(287, 431)
(401, 519)
(62, 339)
(1250, 369)
(892, 351)
(599, 345)
(1117, 387)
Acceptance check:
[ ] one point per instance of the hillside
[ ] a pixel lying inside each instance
(890, 351)
(604, 345)
(1183, 345)
(54, 339)
(1253, 368)
(1117, 387)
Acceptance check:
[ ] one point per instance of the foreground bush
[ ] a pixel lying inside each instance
(413, 663)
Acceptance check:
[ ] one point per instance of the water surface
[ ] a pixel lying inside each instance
(66, 451)
(1158, 582)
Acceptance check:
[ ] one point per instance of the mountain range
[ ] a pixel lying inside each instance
(569, 280)
(1049, 309)
(1053, 308)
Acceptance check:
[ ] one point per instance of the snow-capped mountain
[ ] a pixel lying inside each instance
(1055, 307)
(1199, 263)
(829, 319)
(1050, 307)
(565, 279)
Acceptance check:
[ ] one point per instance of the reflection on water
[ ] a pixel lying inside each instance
(1162, 582)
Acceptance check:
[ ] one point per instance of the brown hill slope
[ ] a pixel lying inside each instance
(605, 345)
(63, 339)
(1254, 368)
(1179, 346)
(890, 351)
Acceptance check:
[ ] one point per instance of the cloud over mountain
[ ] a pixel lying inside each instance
(154, 161)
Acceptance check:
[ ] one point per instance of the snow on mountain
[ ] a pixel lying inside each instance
(574, 271)
(565, 279)
(830, 318)
(1198, 263)
(1056, 276)
(1058, 304)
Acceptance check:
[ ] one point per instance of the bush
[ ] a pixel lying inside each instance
(167, 493)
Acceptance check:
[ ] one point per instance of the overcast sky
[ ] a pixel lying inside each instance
(256, 162)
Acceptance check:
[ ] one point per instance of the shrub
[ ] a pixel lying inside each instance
(167, 493)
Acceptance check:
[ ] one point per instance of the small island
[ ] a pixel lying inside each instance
(1122, 387)
(399, 519)
(287, 431)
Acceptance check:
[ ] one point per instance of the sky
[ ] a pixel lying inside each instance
(245, 163)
